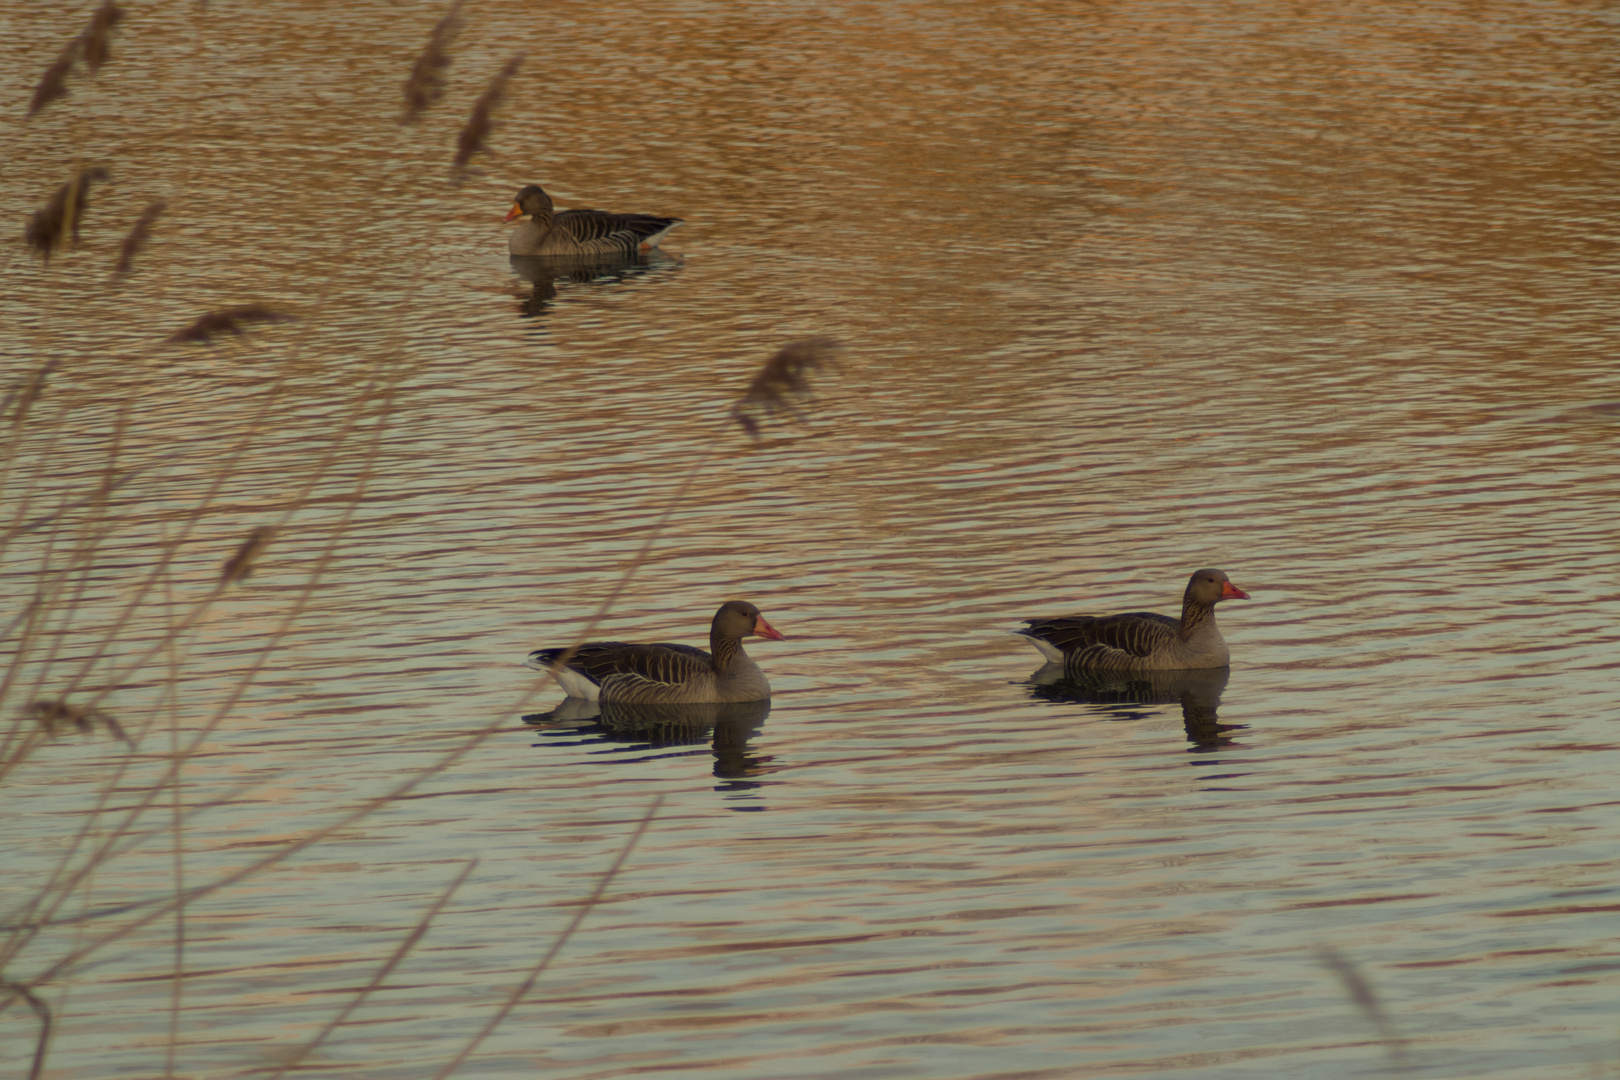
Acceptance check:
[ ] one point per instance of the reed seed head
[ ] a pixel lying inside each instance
(783, 384)
(138, 236)
(93, 45)
(239, 567)
(57, 715)
(426, 83)
(53, 84)
(481, 123)
(97, 37)
(51, 228)
(227, 321)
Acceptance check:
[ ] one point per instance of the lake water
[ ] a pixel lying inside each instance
(1322, 296)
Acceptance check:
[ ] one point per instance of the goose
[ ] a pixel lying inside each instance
(580, 233)
(1140, 640)
(664, 674)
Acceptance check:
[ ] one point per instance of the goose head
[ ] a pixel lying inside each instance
(738, 619)
(533, 201)
(1209, 587)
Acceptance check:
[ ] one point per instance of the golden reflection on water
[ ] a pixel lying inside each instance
(1322, 297)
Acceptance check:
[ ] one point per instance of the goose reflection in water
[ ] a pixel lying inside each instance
(547, 272)
(1197, 691)
(726, 727)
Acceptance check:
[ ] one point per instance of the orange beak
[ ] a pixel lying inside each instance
(766, 630)
(1230, 591)
(515, 212)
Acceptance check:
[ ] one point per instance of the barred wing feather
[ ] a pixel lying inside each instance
(1093, 641)
(598, 232)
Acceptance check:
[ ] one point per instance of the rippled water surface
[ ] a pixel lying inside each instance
(1322, 296)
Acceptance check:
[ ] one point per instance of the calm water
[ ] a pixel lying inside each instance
(1324, 298)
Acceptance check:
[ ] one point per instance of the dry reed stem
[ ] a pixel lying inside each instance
(42, 1011)
(51, 227)
(226, 321)
(400, 952)
(62, 883)
(783, 384)
(426, 83)
(138, 236)
(481, 122)
(557, 943)
(132, 813)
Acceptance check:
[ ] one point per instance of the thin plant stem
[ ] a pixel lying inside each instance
(557, 943)
(42, 1011)
(400, 952)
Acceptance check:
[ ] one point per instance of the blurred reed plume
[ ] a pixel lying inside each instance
(92, 45)
(97, 37)
(53, 84)
(56, 716)
(138, 236)
(51, 228)
(227, 321)
(426, 83)
(239, 567)
(1361, 992)
(783, 384)
(480, 123)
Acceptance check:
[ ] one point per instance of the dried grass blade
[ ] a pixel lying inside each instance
(426, 83)
(481, 122)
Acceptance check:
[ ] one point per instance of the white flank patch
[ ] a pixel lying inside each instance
(1048, 650)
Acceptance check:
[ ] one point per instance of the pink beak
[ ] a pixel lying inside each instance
(766, 630)
(1230, 591)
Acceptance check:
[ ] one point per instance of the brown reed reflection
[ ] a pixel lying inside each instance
(1128, 695)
